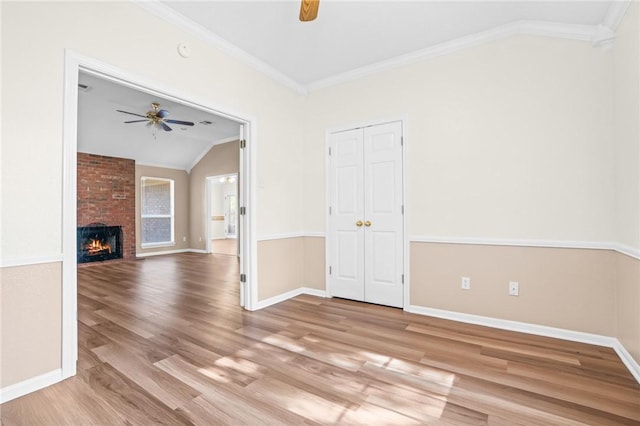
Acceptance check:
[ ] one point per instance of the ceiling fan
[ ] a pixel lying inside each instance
(156, 116)
(309, 10)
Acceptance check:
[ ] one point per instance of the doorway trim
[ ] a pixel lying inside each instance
(403, 119)
(73, 64)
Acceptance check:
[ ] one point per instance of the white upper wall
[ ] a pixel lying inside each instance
(510, 140)
(34, 39)
(627, 129)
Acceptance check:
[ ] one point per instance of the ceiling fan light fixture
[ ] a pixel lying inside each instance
(156, 118)
(309, 10)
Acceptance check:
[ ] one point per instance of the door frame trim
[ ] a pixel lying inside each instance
(403, 119)
(75, 62)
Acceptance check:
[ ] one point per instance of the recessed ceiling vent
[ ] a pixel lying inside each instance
(206, 122)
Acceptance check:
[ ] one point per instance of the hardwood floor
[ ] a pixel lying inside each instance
(163, 341)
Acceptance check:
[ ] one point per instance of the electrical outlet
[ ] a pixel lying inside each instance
(184, 239)
(466, 283)
(199, 238)
(514, 288)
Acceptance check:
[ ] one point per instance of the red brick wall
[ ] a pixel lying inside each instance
(106, 194)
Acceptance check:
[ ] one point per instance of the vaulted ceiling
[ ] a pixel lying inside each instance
(102, 130)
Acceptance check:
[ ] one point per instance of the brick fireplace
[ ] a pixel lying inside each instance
(106, 195)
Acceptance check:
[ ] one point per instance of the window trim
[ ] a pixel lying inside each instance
(170, 215)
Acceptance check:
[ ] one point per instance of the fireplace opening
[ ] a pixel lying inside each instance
(98, 242)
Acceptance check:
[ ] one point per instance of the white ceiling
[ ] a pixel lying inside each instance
(102, 131)
(350, 35)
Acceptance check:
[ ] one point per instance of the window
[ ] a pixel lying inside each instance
(157, 212)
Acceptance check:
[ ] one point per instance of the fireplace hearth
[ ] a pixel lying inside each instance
(98, 242)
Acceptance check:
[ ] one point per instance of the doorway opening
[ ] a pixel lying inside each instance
(222, 214)
(77, 65)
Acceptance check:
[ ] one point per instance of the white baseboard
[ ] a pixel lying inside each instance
(289, 295)
(201, 251)
(539, 330)
(30, 385)
(627, 360)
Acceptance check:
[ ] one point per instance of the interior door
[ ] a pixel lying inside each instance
(384, 249)
(347, 209)
(366, 239)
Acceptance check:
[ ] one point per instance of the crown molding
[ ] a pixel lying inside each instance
(187, 25)
(601, 35)
(615, 13)
(588, 33)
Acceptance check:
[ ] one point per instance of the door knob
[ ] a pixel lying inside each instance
(359, 223)
(367, 223)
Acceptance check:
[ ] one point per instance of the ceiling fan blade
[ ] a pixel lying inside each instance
(132, 113)
(165, 127)
(162, 113)
(184, 123)
(309, 10)
(136, 121)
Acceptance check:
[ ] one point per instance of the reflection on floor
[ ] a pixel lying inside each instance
(225, 246)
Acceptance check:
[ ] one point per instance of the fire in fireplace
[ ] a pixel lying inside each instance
(97, 242)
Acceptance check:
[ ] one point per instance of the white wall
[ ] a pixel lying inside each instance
(627, 129)
(510, 139)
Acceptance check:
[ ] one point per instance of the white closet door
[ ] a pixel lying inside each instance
(347, 207)
(365, 235)
(383, 214)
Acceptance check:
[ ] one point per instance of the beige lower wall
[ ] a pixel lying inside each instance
(31, 321)
(628, 303)
(573, 289)
(314, 264)
(280, 266)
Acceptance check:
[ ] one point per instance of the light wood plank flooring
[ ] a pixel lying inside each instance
(163, 341)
